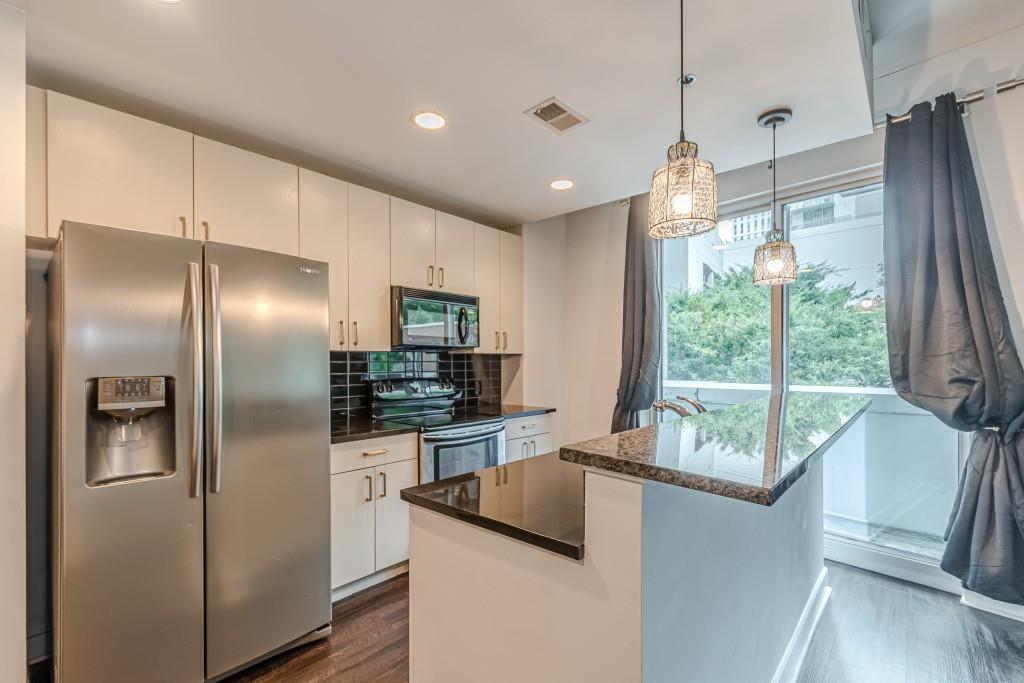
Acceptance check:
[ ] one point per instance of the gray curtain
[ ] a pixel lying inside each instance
(641, 321)
(951, 351)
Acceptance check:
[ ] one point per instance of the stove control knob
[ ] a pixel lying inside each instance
(390, 387)
(380, 388)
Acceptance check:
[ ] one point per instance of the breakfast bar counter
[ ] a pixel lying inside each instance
(689, 550)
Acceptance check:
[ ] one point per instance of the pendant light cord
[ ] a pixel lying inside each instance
(682, 74)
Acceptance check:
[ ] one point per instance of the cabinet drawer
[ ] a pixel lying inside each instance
(527, 447)
(354, 455)
(527, 426)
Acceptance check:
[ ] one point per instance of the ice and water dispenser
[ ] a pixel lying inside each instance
(130, 429)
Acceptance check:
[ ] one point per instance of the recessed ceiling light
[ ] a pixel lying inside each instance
(429, 120)
(168, 2)
(561, 184)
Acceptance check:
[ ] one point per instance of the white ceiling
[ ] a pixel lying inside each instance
(908, 32)
(332, 84)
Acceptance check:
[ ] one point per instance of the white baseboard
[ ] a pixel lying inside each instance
(796, 650)
(891, 563)
(342, 592)
(986, 604)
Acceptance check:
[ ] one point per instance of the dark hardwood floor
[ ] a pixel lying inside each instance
(874, 630)
(369, 643)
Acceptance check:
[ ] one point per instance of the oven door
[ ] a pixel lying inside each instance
(450, 453)
(422, 318)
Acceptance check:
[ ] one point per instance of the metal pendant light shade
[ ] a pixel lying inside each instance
(684, 195)
(775, 260)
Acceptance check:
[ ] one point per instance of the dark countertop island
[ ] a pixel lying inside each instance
(751, 451)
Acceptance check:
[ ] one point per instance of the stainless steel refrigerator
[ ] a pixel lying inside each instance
(191, 443)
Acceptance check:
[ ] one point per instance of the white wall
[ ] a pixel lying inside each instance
(574, 271)
(12, 343)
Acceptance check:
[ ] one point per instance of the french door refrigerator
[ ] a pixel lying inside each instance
(191, 445)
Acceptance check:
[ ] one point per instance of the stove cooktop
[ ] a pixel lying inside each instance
(451, 419)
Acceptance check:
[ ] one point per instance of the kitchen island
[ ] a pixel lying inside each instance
(690, 550)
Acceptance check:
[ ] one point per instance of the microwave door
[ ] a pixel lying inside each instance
(425, 322)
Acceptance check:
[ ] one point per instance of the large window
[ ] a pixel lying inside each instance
(891, 479)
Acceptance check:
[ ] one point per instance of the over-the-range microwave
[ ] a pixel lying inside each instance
(422, 318)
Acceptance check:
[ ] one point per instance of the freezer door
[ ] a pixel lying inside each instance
(128, 566)
(268, 453)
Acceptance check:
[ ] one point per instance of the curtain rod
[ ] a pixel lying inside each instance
(969, 98)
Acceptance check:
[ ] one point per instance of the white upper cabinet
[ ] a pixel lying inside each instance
(454, 258)
(487, 284)
(35, 162)
(323, 236)
(413, 235)
(369, 272)
(511, 270)
(245, 199)
(110, 168)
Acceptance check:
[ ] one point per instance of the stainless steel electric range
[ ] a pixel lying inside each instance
(451, 442)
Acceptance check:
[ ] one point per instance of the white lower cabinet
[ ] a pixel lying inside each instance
(527, 447)
(369, 520)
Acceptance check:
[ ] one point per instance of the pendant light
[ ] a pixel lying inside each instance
(775, 260)
(684, 198)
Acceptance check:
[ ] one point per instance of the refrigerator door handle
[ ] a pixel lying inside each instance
(194, 296)
(216, 384)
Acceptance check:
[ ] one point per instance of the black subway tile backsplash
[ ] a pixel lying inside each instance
(478, 375)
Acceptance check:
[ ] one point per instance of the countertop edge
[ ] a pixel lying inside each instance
(362, 436)
(554, 545)
(528, 411)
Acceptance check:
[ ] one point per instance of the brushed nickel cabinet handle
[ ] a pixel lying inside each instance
(533, 448)
(184, 226)
(355, 333)
(369, 488)
(384, 484)
(497, 340)
(504, 345)
(206, 231)
(440, 277)
(379, 451)
(522, 450)
(430, 276)
(341, 324)
(504, 475)
(497, 476)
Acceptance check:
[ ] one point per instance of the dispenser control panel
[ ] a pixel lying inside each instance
(120, 393)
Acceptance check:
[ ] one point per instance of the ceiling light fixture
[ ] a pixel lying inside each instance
(775, 260)
(562, 184)
(429, 120)
(684, 197)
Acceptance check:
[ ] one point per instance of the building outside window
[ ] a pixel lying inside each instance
(890, 481)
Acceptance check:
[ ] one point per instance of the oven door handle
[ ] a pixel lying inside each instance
(464, 438)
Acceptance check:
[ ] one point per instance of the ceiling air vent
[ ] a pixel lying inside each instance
(556, 115)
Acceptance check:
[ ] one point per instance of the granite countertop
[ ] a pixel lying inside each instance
(358, 427)
(752, 451)
(538, 500)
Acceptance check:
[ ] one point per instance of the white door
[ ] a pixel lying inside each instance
(393, 512)
(517, 449)
(412, 245)
(323, 235)
(246, 199)
(110, 168)
(369, 271)
(455, 254)
(487, 283)
(352, 526)
(511, 270)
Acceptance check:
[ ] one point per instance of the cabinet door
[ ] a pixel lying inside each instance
(540, 444)
(393, 512)
(517, 449)
(246, 199)
(352, 522)
(455, 254)
(35, 162)
(369, 272)
(487, 282)
(511, 271)
(323, 235)
(413, 231)
(110, 168)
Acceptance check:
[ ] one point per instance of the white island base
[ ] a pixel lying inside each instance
(674, 585)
